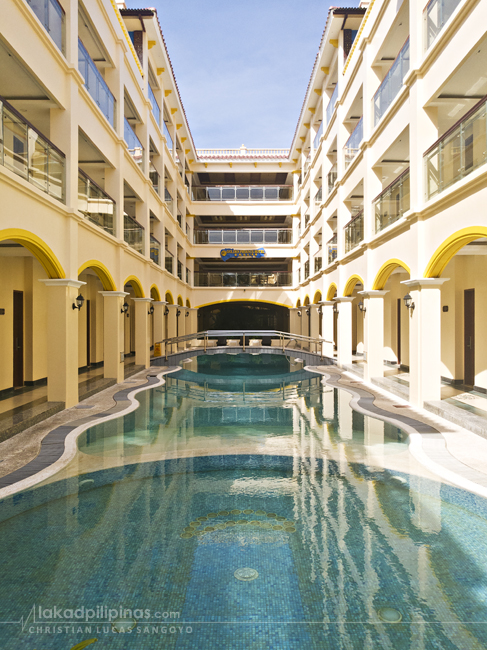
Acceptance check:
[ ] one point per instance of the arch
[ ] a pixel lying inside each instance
(102, 272)
(385, 271)
(168, 298)
(332, 290)
(180, 301)
(188, 303)
(38, 248)
(317, 298)
(270, 302)
(298, 303)
(351, 282)
(306, 300)
(136, 286)
(444, 253)
(155, 294)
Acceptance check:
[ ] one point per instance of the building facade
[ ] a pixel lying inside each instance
(105, 196)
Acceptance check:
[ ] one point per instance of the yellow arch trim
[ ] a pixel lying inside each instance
(180, 301)
(155, 294)
(317, 297)
(298, 302)
(136, 286)
(222, 302)
(385, 271)
(351, 282)
(332, 289)
(188, 303)
(444, 253)
(306, 300)
(102, 272)
(168, 298)
(38, 248)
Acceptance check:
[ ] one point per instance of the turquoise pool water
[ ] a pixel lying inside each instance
(236, 468)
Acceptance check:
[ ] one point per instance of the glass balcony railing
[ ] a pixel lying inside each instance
(392, 83)
(307, 217)
(156, 111)
(136, 150)
(319, 197)
(168, 137)
(354, 232)
(316, 142)
(133, 233)
(243, 193)
(306, 270)
(332, 249)
(392, 202)
(180, 270)
(188, 231)
(331, 178)
(27, 153)
(155, 250)
(244, 236)
(168, 261)
(51, 15)
(96, 85)
(154, 178)
(331, 105)
(95, 203)
(188, 276)
(318, 264)
(435, 15)
(243, 279)
(180, 219)
(351, 147)
(168, 199)
(460, 151)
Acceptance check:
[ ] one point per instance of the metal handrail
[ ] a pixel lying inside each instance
(285, 338)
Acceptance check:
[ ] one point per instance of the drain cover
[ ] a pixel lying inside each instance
(121, 625)
(246, 574)
(390, 615)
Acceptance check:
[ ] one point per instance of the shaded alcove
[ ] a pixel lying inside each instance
(243, 315)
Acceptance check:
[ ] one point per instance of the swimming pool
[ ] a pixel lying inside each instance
(235, 463)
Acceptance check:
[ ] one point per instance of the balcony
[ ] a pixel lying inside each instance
(156, 111)
(27, 153)
(319, 197)
(136, 150)
(188, 231)
(306, 220)
(392, 83)
(167, 136)
(168, 261)
(331, 105)
(351, 147)
(154, 177)
(331, 247)
(460, 151)
(331, 178)
(180, 270)
(155, 250)
(392, 202)
(318, 264)
(133, 233)
(244, 236)
(180, 219)
(316, 142)
(306, 270)
(51, 15)
(96, 85)
(435, 15)
(168, 199)
(354, 232)
(188, 276)
(243, 193)
(243, 279)
(95, 203)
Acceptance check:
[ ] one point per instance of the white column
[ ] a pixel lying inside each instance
(142, 332)
(344, 331)
(373, 333)
(159, 333)
(327, 328)
(315, 321)
(171, 325)
(425, 340)
(113, 335)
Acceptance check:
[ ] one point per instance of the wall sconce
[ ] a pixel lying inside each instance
(320, 311)
(166, 311)
(187, 314)
(299, 314)
(335, 307)
(178, 313)
(151, 310)
(307, 312)
(125, 308)
(408, 301)
(362, 307)
(79, 302)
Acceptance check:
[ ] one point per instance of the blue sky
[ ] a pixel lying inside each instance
(242, 66)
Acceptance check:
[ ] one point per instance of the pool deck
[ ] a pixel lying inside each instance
(446, 450)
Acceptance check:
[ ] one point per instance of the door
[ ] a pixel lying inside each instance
(399, 331)
(88, 333)
(469, 337)
(18, 339)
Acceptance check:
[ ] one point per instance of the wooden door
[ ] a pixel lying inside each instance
(18, 339)
(469, 337)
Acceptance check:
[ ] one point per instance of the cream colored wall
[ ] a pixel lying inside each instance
(397, 291)
(90, 291)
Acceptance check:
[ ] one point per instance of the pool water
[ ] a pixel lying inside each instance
(354, 546)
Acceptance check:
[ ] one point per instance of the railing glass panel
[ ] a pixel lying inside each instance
(180, 270)
(96, 85)
(243, 193)
(168, 137)
(243, 236)
(331, 105)
(133, 233)
(188, 276)
(168, 261)
(95, 203)
(392, 83)
(155, 250)
(136, 150)
(318, 135)
(29, 154)
(332, 249)
(168, 199)
(458, 153)
(51, 15)
(318, 264)
(154, 177)
(352, 145)
(435, 15)
(155, 106)
(392, 203)
(331, 178)
(243, 279)
(306, 270)
(354, 232)
(319, 196)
